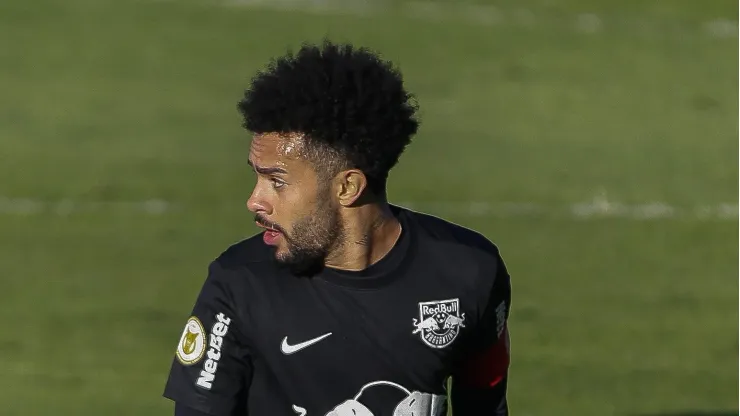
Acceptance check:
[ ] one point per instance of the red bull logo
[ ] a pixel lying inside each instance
(439, 322)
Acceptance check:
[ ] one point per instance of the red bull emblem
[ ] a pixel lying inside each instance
(439, 322)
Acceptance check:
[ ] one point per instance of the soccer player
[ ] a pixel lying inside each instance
(346, 304)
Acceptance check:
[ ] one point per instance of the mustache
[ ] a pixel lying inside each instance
(268, 224)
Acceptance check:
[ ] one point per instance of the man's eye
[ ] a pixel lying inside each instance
(277, 183)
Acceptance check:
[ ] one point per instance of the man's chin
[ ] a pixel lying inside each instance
(298, 265)
(280, 253)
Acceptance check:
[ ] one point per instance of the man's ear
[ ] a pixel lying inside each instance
(350, 185)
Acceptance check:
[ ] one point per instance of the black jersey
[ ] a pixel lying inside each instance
(382, 341)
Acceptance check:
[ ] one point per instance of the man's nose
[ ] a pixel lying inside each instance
(257, 204)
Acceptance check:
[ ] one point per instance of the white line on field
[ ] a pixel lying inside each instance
(599, 207)
(485, 15)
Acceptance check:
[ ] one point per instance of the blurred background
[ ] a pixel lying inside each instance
(594, 141)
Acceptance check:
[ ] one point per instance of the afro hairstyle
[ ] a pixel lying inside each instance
(346, 100)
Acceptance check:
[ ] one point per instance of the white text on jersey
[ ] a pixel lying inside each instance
(218, 332)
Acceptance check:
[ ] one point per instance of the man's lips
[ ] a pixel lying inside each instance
(267, 228)
(271, 235)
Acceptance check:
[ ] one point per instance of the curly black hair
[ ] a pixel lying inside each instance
(344, 99)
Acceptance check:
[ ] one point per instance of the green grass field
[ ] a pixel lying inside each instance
(535, 103)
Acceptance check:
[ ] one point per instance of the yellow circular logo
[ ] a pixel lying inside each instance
(192, 344)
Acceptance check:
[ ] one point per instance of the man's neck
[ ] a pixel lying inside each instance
(369, 234)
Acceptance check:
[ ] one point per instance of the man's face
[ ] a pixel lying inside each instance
(297, 209)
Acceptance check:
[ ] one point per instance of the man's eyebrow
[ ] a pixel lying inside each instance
(267, 171)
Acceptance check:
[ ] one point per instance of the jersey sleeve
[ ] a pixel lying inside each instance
(184, 410)
(212, 369)
(480, 379)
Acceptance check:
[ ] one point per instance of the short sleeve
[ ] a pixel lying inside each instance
(211, 369)
(494, 321)
(487, 354)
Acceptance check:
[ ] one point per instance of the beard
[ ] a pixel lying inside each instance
(310, 241)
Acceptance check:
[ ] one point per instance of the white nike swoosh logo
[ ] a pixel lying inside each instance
(290, 349)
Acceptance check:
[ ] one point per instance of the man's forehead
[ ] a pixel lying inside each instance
(279, 145)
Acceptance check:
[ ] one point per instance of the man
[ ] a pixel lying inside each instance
(345, 304)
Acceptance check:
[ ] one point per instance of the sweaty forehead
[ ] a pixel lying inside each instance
(276, 147)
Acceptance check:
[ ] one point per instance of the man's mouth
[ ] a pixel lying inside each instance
(266, 227)
(271, 235)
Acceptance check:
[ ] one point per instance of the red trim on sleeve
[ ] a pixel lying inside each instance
(487, 368)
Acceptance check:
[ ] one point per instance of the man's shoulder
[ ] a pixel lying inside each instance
(475, 261)
(448, 235)
(243, 254)
(240, 267)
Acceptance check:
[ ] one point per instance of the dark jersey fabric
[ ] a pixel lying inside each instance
(382, 341)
